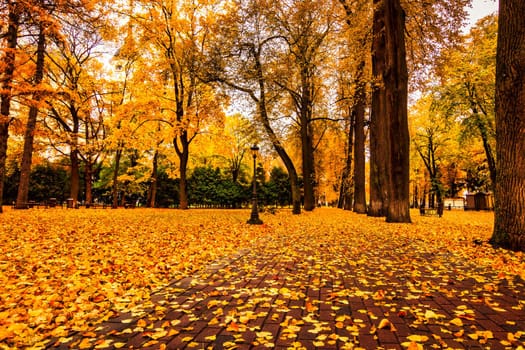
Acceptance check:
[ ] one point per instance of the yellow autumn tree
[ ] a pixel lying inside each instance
(172, 34)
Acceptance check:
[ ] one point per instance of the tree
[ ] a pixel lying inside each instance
(306, 28)
(358, 38)
(395, 78)
(467, 78)
(73, 106)
(379, 136)
(25, 168)
(242, 59)
(509, 224)
(431, 139)
(9, 41)
(177, 33)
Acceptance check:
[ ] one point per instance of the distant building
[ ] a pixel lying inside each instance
(479, 201)
(454, 203)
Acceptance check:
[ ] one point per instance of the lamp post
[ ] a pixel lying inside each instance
(254, 217)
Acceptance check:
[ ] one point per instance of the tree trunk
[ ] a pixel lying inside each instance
(11, 38)
(27, 155)
(509, 223)
(346, 195)
(153, 185)
(265, 120)
(75, 175)
(379, 136)
(308, 166)
(288, 163)
(359, 150)
(396, 84)
(183, 152)
(114, 187)
(88, 179)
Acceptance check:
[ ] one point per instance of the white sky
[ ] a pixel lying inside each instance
(480, 9)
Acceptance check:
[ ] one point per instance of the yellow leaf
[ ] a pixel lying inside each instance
(457, 322)
(412, 345)
(214, 321)
(85, 344)
(384, 323)
(459, 334)
(417, 338)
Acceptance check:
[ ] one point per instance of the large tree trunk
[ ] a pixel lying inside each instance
(11, 37)
(27, 155)
(396, 83)
(379, 135)
(359, 150)
(308, 165)
(509, 224)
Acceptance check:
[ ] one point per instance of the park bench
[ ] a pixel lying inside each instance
(432, 211)
(37, 205)
(96, 205)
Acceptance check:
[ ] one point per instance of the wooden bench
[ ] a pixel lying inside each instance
(31, 205)
(431, 212)
(96, 205)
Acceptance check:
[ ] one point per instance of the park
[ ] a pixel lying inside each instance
(251, 174)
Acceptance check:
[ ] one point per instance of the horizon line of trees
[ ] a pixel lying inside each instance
(208, 187)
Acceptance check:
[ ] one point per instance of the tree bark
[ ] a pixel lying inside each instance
(183, 152)
(153, 185)
(359, 148)
(88, 180)
(265, 120)
(308, 165)
(11, 38)
(75, 175)
(379, 136)
(345, 194)
(509, 223)
(114, 187)
(27, 155)
(396, 84)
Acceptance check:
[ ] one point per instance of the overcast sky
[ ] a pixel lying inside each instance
(482, 8)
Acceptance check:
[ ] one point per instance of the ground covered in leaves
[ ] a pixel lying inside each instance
(205, 279)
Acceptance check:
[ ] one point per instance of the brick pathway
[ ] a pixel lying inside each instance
(331, 297)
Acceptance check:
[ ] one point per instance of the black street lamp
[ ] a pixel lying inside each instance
(254, 217)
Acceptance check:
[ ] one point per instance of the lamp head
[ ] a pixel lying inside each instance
(254, 150)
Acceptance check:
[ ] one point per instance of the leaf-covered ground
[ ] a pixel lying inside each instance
(205, 279)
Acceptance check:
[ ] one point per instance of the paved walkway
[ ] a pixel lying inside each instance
(327, 298)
